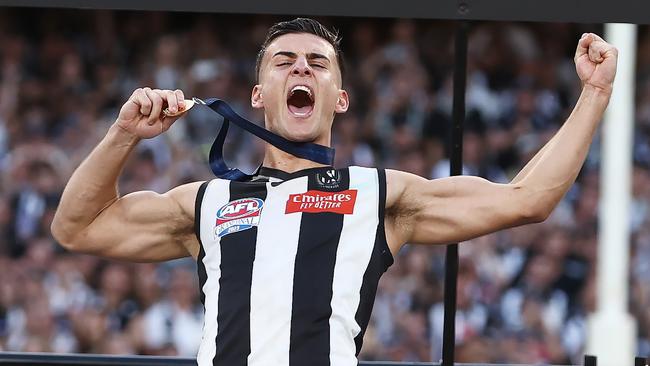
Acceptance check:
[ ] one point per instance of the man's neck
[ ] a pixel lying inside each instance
(280, 160)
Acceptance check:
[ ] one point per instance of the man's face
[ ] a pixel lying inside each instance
(300, 88)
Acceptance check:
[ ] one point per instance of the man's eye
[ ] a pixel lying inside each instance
(318, 65)
(284, 63)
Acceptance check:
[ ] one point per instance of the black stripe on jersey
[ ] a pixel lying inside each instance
(312, 282)
(203, 276)
(380, 260)
(237, 256)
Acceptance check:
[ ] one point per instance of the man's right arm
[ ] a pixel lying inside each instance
(142, 226)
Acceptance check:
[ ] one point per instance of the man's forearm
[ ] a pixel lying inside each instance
(557, 165)
(93, 185)
(533, 162)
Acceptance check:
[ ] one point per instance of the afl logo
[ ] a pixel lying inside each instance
(238, 215)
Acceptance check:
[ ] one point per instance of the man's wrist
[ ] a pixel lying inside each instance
(119, 136)
(597, 92)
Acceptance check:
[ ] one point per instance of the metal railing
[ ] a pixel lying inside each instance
(52, 359)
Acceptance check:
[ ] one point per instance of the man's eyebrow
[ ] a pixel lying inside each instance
(314, 56)
(310, 56)
(285, 53)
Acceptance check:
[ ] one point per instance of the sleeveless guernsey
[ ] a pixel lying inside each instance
(289, 266)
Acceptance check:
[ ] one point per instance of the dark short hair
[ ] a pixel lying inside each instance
(301, 25)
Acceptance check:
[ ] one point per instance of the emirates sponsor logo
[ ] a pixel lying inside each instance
(318, 201)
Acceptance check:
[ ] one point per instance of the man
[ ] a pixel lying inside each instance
(289, 262)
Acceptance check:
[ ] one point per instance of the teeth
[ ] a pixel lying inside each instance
(303, 88)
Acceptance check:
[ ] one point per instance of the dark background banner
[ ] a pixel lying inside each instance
(580, 11)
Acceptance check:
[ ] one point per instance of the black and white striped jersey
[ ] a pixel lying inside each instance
(289, 267)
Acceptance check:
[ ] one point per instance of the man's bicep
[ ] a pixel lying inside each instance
(145, 226)
(454, 209)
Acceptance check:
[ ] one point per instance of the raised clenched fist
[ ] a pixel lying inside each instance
(595, 62)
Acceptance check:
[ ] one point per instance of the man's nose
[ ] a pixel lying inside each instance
(301, 67)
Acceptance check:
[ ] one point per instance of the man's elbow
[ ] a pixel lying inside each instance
(532, 206)
(535, 212)
(66, 238)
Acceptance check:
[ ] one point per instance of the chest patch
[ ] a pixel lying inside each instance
(238, 215)
(314, 201)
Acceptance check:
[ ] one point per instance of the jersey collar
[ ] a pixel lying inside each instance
(275, 175)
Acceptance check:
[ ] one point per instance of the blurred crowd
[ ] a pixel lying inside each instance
(523, 294)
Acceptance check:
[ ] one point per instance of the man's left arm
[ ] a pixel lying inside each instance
(453, 209)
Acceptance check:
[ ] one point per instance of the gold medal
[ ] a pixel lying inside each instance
(188, 105)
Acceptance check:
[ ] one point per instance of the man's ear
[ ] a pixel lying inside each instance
(256, 97)
(343, 102)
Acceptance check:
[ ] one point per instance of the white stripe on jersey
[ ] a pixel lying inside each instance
(216, 194)
(272, 282)
(352, 258)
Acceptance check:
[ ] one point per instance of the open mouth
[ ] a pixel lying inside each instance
(300, 101)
